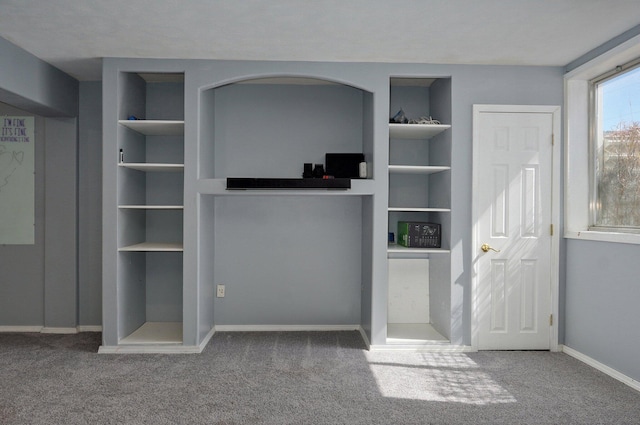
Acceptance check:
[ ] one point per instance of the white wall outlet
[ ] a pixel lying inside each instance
(220, 291)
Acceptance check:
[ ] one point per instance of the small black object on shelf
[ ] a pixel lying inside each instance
(308, 170)
(243, 183)
(318, 171)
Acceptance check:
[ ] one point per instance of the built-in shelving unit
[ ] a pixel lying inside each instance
(306, 258)
(419, 191)
(149, 182)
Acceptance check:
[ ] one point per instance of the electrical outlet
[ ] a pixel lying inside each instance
(220, 293)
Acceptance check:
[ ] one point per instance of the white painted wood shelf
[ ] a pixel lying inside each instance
(155, 127)
(419, 209)
(151, 207)
(359, 187)
(417, 169)
(153, 247)
(413, 334)
(416, 131)
(399, 251)
(152, 333)
(144, 166)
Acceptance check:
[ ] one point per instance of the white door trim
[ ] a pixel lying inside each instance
(555, 212)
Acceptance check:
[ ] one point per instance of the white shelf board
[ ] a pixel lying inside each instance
(218, 187)
(416, 131)
(155, 333)
(419, 209)
(153, 247)
(397, 251)
(143, 166)
(417, 169)
(155, 127)
(151, 207)
(413, 334)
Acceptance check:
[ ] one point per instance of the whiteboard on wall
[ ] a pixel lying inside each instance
(17, 183)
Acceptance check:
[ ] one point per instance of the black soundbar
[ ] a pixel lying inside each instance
(244, 183)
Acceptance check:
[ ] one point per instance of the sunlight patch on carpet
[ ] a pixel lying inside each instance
(442, 377)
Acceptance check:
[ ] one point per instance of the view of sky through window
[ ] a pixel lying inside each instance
(621, 100)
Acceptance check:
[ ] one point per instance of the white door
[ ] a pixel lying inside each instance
(513, 163)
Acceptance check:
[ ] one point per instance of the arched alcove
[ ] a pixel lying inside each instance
(271, 126)
(286, 258)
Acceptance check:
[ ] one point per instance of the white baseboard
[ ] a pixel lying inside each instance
(21, 329)
(89, 328)
(157, 349)
(51, 330)
(365, 338)
(284, 328)
(602, 367)
(58, 330)
(150, 349)
(207, 338)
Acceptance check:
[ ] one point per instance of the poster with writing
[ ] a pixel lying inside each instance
(17, 184)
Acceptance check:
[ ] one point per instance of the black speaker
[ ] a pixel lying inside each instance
(343, 165)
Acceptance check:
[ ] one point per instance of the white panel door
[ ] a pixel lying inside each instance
(513, 175)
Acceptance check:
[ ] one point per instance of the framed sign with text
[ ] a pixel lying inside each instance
(17, 183)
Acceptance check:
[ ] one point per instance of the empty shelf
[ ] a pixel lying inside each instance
(417, 169)
(143, 166)
(153, 246)
(413, 333)
(416, 131)
(155, 333)
(155, 127)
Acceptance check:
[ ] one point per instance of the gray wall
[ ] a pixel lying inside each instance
(602, 294)
(488, 85)
(602, 285)
(22, 266)
(38, 282)
(33, 85)
(90, 204)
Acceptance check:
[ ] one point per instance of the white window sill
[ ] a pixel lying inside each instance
(591, 235)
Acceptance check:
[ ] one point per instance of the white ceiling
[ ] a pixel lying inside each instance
(74, 34)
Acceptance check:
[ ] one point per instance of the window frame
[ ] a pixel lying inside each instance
(577, 198)
(595, 110)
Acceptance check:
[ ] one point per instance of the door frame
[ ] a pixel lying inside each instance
(555, 112)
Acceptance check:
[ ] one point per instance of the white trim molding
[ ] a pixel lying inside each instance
(285, 328)
(89, 328)
(154, 349)
(577, 154)
(51, 330)
(58, 330)
(158, 348)
(20, 329)
(602, 367)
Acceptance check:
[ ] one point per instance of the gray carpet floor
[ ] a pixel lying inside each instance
(299, 378)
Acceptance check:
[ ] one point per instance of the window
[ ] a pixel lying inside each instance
(615, 149)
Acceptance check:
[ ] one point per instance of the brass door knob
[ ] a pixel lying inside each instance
(486, 248)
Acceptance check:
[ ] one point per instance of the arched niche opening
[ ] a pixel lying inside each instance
(270, 126)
